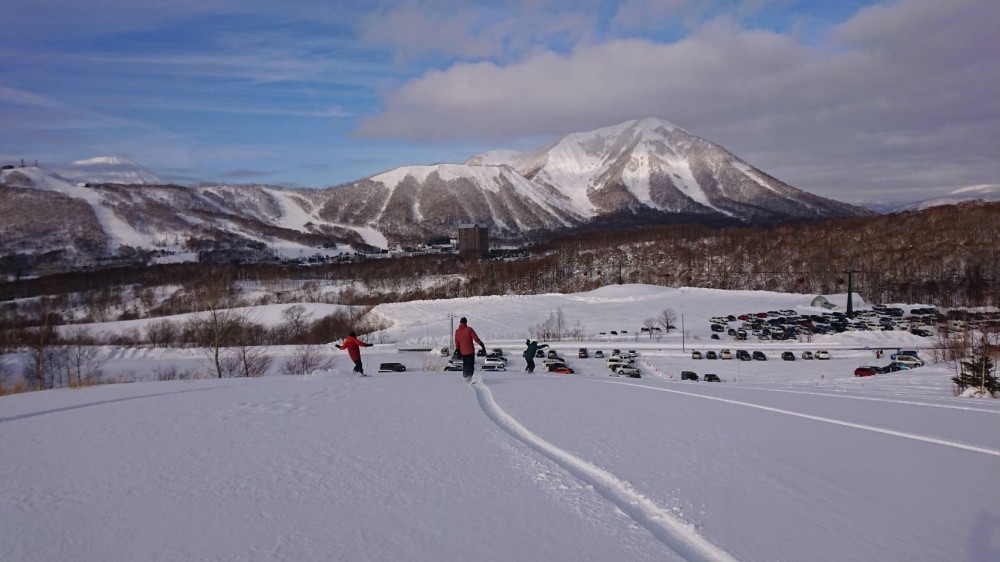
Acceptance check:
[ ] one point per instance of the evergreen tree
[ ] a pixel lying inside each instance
(979, 371)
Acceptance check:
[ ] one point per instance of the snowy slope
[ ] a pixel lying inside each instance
(783, 461)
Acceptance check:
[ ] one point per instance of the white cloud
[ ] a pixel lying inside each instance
(902, 96)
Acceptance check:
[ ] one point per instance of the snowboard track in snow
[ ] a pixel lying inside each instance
(866, 427)
(679, 536)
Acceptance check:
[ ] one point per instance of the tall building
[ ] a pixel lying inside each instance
(473, 240)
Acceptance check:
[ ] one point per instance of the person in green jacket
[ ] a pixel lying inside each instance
(529, 354)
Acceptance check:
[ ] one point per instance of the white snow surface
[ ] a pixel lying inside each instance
(782, 461)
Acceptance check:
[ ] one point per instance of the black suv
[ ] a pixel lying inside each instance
(712, 377)
(788, 356)
(689, 376)
(742, 355)
(391, 367)
(759, 356)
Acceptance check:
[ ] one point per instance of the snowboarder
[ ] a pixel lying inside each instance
(352, 344)
(529, 354)
(464, 336)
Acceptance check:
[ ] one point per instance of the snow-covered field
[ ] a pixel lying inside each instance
(782, 461)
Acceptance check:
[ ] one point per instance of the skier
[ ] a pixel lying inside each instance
(352, 344)
(464, 336)
(529, 354)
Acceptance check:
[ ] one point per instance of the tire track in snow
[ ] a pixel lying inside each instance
(678, 535)
(904, 434)
(869, 398)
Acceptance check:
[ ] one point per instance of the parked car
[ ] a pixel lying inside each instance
(480, 352)
(725, 354)
(559, 368)
(629, 371)
(492, 367)
(615, 361)
(496, 351)
(445, 352)
(552, 354)
(759, 356)
(492, 355)
(711, 355)
(583, 354)
(822, 354)
(695, 355)
(718, 328)
(897, 366)
(493, 360)
(807, 355)
(909, 360)
(391, 367)
(921, 332)
(787, 356)
(742, 355)
(689, 376)
(599, 354)
(712, 377)
(616, 352)
(539, 354)
(865, 372)
(453, 365)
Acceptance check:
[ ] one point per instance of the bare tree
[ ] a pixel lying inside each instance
(296, 320)
(306, 359)
(38, 339)
(667, 319)
(650, 325)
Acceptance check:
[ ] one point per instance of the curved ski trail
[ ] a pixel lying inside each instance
(678, 535)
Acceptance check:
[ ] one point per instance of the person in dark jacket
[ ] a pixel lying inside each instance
(529, 354)
(464, 336)
(353, 346)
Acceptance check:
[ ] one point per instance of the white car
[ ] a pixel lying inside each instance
(725, 354)
(495, 361)
(617, 361)
(627, 371)
(822, 355)
(909, 360)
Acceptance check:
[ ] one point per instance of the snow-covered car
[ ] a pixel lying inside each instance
(391, 367)
(822, 354)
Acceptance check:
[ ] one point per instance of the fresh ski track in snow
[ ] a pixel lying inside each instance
(679, 536)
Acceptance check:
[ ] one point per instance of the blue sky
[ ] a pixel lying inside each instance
(860, 101)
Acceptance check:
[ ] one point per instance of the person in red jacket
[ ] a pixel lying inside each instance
(353, 346)
(464, 336)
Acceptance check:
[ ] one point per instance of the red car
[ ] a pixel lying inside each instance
(561, 370)
(864, 372)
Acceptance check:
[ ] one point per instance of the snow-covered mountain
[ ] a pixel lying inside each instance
(642, 171)
(983, 192)
(651, 164)
(648, 170)
(108, 169)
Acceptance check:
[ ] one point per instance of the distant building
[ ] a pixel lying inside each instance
(473, 240)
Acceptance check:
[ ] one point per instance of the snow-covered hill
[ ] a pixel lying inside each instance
(782, 460)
